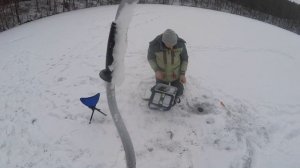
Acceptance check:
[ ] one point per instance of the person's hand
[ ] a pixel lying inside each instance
(159, 75)
(182, 79)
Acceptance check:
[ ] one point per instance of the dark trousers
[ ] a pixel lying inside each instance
(176, 84)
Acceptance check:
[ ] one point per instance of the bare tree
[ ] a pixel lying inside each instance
(37, 5)
(99, 2)
(64, 5)
(2, 22)
(55, 7)
(11, 14)
(73, 5)
(49, 6)
(86, 3)
(16, 7)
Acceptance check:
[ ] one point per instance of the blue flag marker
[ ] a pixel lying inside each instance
(91, 103)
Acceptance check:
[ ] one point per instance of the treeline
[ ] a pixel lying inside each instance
(16, 12)
(279, 8)
(282, 13)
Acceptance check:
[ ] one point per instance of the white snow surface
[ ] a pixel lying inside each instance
(243, 72)
(296, 1)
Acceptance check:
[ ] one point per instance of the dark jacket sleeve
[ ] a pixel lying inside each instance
(151, 57)
(184, 59)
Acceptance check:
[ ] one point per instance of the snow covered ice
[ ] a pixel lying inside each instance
(245, 73)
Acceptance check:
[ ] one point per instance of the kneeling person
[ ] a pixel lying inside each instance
(167, 56)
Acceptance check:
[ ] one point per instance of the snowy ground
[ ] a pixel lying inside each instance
(297, 1)
(243, 72)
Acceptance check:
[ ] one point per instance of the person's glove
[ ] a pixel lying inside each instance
(159, 75)
(182, 79)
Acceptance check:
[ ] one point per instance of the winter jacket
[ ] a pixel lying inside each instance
(173, 62)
